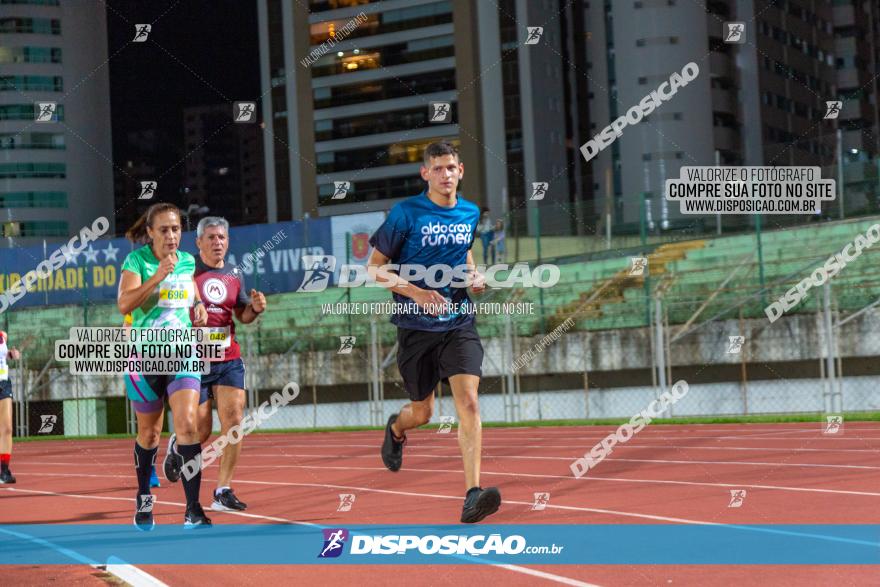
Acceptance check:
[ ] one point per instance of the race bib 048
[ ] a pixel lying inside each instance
(221, 335)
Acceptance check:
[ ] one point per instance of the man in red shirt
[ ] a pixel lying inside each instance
(222, 289)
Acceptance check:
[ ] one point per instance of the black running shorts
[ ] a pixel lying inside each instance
(424, 358)
(5, 389)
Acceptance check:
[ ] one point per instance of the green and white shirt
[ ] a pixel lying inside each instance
(168, 305)
(4, 367)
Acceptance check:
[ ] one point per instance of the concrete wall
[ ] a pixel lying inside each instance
(714, 399)
(621, 357)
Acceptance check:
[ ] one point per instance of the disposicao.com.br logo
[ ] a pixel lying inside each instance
(449, 544)
(320, 269)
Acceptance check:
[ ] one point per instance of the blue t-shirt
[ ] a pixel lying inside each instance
(419, 232)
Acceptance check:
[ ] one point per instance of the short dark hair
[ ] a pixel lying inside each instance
(439, 149)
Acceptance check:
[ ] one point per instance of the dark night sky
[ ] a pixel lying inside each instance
(151, 82)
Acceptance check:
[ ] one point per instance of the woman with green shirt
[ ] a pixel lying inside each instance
(157, 288)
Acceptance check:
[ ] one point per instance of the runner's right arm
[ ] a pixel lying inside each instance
(387, 242)
(399, 285)
(133, 293)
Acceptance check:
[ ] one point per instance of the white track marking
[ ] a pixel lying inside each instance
(111, 449)
(132, 575)
(521, 457)
(175, 503)
(571, 458)
(124, 571)
(573, 431)
(496, 473)
(756, 463)
(543, 575)
(71, 554)
(508, 567)
(446, 497)
(585, 478)
(428, 443)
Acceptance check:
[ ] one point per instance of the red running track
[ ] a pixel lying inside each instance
(792, 473)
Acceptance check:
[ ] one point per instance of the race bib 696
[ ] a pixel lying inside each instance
(176, 294)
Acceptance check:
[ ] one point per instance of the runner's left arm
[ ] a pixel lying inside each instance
(478, 280)
(13, 353)
(200, 314)
(254, 308)
(248, 308)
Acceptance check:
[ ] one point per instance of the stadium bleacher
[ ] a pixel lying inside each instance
(687, 272)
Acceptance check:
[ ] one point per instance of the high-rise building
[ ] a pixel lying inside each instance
(760, 101)
(223, 165)
(353, 105)
(145, 155)
(857, 58)
(355, 90)
(53, 52)
(543, 94)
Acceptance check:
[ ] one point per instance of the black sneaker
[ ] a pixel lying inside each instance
(173, 461)
(480, 503)
(195, 517)
(392, 450)
(226, 501)
(143, 514)
(6, 477)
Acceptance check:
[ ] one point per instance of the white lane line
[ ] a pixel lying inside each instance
(105, 497)
(516, 446)
(567, 458)
(356, 488)
(585, 478)
(544, 575)
(458, 498)
(818, 436)
(508, 567)
(455, 498)
(71, 554)
(564, 431)
(130, 574)
(520, 457)
(506, 474)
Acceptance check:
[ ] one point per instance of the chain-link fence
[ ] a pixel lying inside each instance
(581, 374)
(604, 342)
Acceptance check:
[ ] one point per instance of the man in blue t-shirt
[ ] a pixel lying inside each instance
(429, 238)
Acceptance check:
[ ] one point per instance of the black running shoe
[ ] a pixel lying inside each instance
(143, 514)
(226, 501)
(6, 477)
(480, 503)
(392, 450)
(195, 517)
(173, 461)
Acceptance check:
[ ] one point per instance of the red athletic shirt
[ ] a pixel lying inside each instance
(222, 290)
